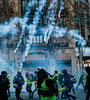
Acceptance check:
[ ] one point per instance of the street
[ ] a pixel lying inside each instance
(79, 94)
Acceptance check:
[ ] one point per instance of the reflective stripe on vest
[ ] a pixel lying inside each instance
(43, 86)
(56, 75)
(28, 81)
(8, 77)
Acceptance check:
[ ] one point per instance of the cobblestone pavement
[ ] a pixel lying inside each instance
(79, 94)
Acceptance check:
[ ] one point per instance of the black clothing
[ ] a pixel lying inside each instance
(80, 83)
(66, 80)
(8, 90)
(87, 94)
(44, 82)
(28, 88)
(87, 87)
(52, 88)
(17, 92)
(18, 82)
(4, 82)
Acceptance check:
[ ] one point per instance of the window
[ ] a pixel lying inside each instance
(82, 20)
(37, 39)
(76, 21)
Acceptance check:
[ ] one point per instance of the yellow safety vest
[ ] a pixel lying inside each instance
(8, 77)
(55, 75)
(44, 87)
(28, 81)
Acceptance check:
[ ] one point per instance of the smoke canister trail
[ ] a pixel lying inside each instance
(32, 28)
(78, 38)
(60, 31)
(51, 17)
(9, 27)
(61, 7)
(23, 22)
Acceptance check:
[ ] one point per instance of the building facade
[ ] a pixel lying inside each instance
(57, 54)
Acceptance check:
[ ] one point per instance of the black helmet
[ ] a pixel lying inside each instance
(4, 73)
(56, 71)
(64, 71)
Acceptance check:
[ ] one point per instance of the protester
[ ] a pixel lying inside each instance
(29, 81)
(87, 83)
(80, 81)
(34, 80)
(65, 81)
(55, 76)
(18, 81)
(8, 76)
(4, 82)
(47, 87)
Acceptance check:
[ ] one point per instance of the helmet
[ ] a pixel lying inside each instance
(64, 71)
(56, 72)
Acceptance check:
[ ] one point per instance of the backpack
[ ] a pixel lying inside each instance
(18, 81)
(4, 82)
(52, 85)
(69, 81)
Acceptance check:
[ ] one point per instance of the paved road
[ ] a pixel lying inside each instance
(79, 94)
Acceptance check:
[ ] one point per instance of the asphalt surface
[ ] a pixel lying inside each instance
(79, 94)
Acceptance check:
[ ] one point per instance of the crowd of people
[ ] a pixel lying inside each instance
(47, 86)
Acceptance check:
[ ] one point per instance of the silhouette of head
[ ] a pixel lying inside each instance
(4, 73)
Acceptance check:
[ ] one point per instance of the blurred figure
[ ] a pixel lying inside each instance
(18, 82)
(80, 81)
(29, 80)
(34, 80)
(73, 80)
(66, 82)
(55, 76)
(61, 82)
(87, 83)
(4, 82)
(39, 68)
(47, 87)
(8, 77)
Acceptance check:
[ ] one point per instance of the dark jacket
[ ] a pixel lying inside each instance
(87, 84)
(19, 80)
(4, 82)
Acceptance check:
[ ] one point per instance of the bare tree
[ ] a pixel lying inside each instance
(6, 10)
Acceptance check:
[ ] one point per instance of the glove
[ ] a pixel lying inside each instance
(62, 89)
